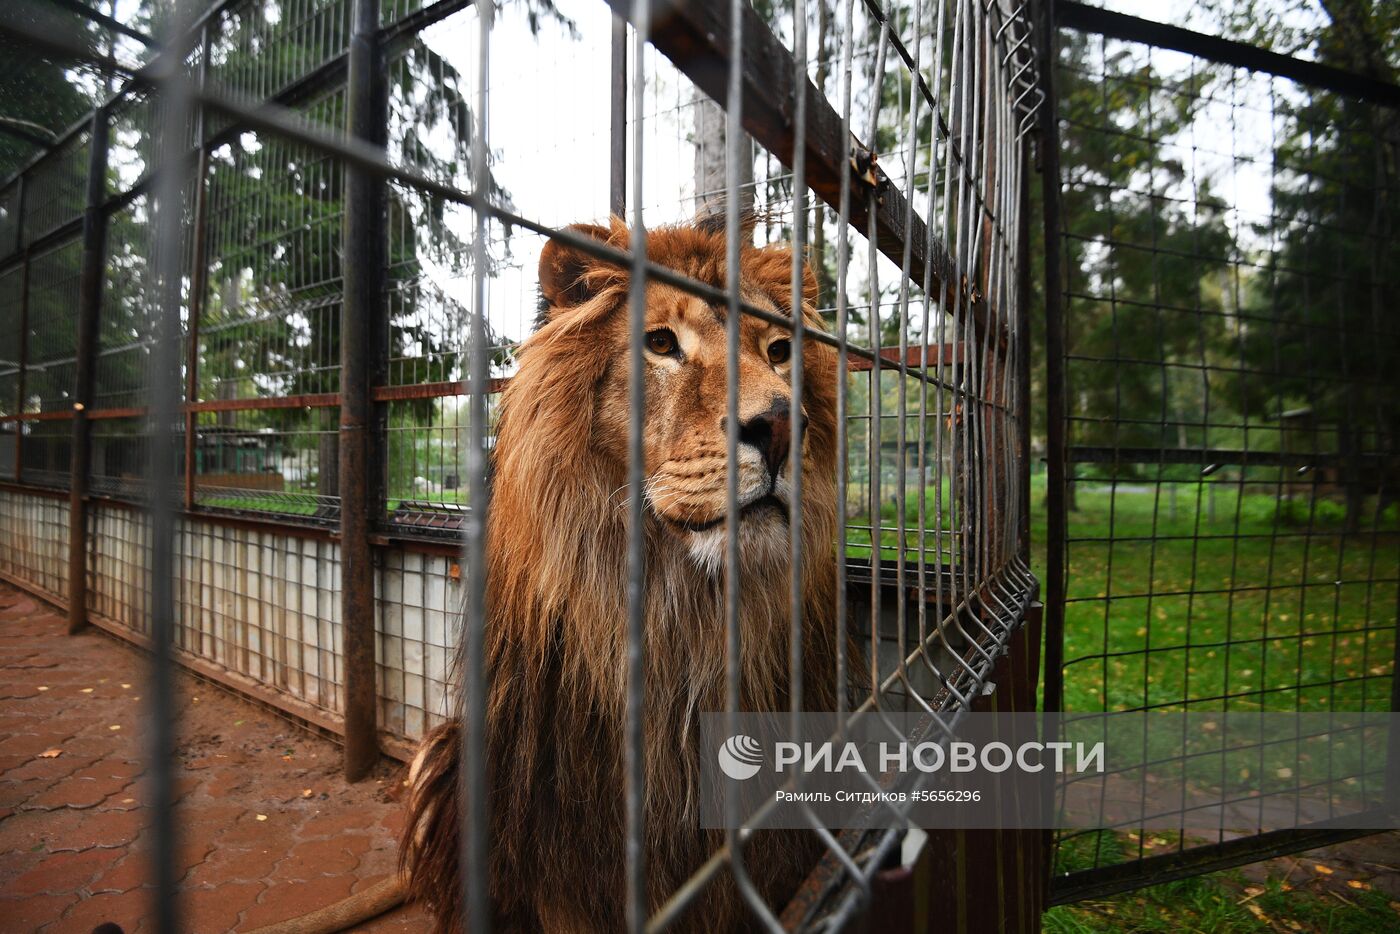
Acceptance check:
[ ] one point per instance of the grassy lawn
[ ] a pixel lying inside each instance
(1282, 617)
(1325, 892)
(1225, 903)
(1250, 599)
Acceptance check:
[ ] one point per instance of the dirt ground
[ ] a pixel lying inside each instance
(268, 827)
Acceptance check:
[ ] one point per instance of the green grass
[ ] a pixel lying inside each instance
(286, 504)
(1248, 600)
(1290, 595)
(1291, 898)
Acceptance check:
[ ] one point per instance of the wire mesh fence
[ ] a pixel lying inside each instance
(315, 251)
(1228, 430)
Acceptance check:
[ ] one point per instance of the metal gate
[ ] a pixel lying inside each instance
(1222, 433)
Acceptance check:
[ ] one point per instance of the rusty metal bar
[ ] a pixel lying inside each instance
(91, 274)
(363, 271)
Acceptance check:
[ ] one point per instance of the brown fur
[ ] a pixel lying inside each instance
(556, 598)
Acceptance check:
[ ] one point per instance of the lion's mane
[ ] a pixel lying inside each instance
(556, 641)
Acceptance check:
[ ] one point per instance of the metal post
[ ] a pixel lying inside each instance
(1023, 349)
(23, 365)
(617, 119)
(363, 271)
(1056, 521)
(1054, 371)
(199, 278)
(89, 309)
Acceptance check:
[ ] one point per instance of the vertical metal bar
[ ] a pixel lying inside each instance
(843, 258)
(732, 229)
(874, 408)
(1055, 529)
(199, 276)
(90, 281)
(637, 898)
(1055, 526)
(617, 117)
(23, 366)
(736, 143)
(174, 107)
(472, 769)
(363, 274)
(799, 235)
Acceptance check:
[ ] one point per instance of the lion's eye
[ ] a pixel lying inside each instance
(779, 351)
(661, 342)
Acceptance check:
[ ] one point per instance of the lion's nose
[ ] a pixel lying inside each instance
(770, 433)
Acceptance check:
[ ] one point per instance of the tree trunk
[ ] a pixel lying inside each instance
(710, 161)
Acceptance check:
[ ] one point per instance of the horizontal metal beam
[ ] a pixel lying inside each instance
(1124, 877)
(1071, 15)
(103, 20)
(1210, 457)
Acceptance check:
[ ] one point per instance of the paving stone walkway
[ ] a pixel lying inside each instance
(268, 828)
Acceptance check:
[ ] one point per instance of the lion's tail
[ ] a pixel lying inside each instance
(347, 913)
(428, 854)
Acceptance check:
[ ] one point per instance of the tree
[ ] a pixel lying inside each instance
(1331, 278)
(1146, 238)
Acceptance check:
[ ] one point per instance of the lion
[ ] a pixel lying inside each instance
(556, 589)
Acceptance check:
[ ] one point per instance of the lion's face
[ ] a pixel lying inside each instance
(685, 356)
(685, 425)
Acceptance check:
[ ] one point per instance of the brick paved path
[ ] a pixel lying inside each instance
(268, 827)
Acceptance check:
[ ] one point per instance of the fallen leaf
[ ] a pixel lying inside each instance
(238, 723)
(51, 753)
(1358, 884)
(1284, 772)
(262, 817)
(1322, 870)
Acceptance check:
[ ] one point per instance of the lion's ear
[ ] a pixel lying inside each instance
(564, 269)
